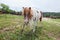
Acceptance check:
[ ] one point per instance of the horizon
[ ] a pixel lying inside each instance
(43, 5)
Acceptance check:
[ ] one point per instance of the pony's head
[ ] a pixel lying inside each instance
(27, 12)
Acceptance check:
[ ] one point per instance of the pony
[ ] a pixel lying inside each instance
(31, 16)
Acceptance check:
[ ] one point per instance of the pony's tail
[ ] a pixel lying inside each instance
(41, 15)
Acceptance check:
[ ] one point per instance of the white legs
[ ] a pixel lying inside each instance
(33, 25)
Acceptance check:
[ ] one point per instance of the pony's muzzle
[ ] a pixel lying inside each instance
(26, 22)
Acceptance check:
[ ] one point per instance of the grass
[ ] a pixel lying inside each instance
(11, 26)
(58, 20)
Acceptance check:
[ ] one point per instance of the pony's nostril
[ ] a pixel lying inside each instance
(26, 23)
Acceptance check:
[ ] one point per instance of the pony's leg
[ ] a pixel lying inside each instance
(31, 24)
(23, 26)
(35, 26)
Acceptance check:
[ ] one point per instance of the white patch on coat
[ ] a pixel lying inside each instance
(36, 16)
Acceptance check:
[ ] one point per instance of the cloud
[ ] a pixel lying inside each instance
(44, 5)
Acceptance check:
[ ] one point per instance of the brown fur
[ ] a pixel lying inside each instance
(28, 12)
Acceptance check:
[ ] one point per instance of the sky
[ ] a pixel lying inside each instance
(43, 5)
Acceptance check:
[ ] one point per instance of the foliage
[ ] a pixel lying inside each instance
(51, 14)
(5, 8)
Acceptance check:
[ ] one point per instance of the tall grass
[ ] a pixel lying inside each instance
(11, 29)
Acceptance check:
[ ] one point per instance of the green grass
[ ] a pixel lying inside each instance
(58, 20)
(7, 20)
(11, 27)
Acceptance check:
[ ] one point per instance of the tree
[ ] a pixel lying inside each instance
(5, 7)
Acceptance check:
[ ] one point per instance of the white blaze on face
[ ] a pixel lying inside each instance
(26, 19)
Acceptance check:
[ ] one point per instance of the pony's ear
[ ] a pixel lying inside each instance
(23, 7)
(30, 12)
(29, 7)
(23, 11)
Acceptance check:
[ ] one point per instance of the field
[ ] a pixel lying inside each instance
(11, 26)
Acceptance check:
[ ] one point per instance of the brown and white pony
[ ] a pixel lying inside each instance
(31, 16)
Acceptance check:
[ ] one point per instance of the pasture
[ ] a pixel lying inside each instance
(11, 26)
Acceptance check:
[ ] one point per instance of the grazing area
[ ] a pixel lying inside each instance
(11, 29)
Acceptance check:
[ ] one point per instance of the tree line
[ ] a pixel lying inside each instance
(51, 14)
(6, 10)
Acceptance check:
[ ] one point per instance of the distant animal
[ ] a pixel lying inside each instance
(31, 16)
